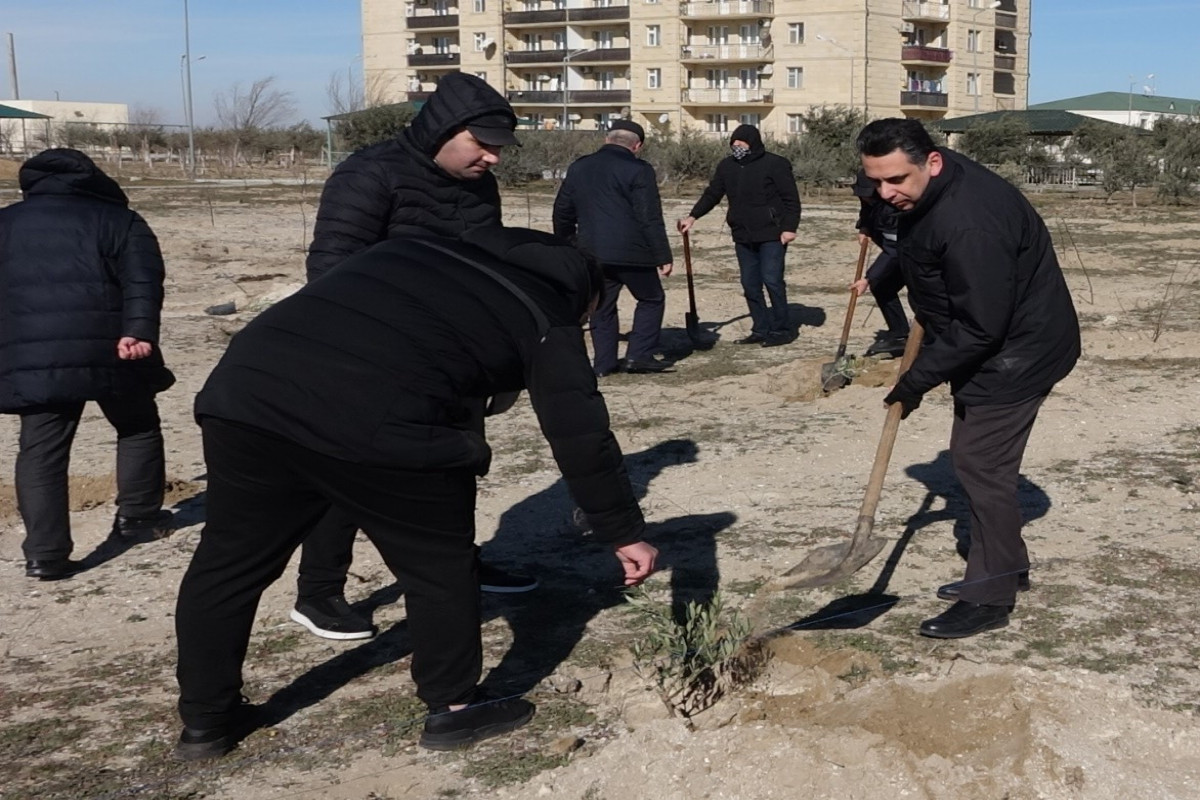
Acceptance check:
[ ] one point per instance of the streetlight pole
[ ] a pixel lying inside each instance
(566, 62)
(850, 54)
(187, 95)
(975, 50)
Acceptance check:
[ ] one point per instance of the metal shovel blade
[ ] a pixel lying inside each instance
(832, 563)
(833, 376)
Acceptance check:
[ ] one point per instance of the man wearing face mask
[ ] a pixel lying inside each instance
(764, 213)
(433, 178)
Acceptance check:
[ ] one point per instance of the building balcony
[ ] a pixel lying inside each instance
(914, 11)
(520, 18)
(418, 97)
(565, 16)
(425, 22)
(433, 60)
(727, 10)
(575, 97)
(712, 97)
(726, 52)
(923, 54)
(916, 100)
(1006, 63)
(603, 14)
(604, 55)
(1006, 21)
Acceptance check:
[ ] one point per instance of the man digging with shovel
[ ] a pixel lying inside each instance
(1000, 326)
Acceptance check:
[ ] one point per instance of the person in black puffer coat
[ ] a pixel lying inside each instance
(81, 291)
(433, 178)
(1000, 328)
(359, 391)
(764, 213)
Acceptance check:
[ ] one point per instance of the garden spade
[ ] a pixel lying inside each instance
(834, 375)
(832, 563)
(691, 319)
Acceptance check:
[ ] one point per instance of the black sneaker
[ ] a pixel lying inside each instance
(332, 618)
(887, 344)
(482, 719)
(778, 339)
(155, 526)
(51, 569)
(199, 744)
(753, 338)
(494, 579)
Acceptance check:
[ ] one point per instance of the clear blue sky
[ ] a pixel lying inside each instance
(129, 50)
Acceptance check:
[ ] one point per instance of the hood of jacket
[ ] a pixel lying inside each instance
(66, 171)
(554, 273)
(459, 98)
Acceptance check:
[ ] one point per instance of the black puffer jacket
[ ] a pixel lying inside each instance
(763, 198)
(385, 360)
(985, 282)
(395, 188)
(610, 203)
(78, 271)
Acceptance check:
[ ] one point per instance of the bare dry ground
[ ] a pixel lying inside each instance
(743, 467)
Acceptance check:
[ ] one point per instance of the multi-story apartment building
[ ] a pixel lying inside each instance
(707, 65)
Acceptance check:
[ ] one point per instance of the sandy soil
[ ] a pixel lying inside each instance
(744, 466)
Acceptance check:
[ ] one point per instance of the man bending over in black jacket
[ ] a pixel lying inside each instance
(432, 179)
(359, 391)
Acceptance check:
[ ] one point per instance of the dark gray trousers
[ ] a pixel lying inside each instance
(987, 444)
(646, 287)
(45, 456)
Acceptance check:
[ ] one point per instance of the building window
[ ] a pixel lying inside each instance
(441, 45)
(716, 123)
(533, 41)
(795, 77)
(654, 78)
(480, 6)
(605, 80)
(653, 35)
(602, 40)
(795, 123)
(973, 42)
(972, 83)
(480, 38)
(795, 33)
(750, 119)
(441, 7)
(601, 3)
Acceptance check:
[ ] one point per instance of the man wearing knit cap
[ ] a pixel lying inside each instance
(764, 213)
(433, 178)
(609, 205)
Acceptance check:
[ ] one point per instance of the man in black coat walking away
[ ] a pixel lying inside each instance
(359, 391)
(433, 178)
(609, 205)
(81, 292)
(764, 213)
(1001, 329)
(877, 223)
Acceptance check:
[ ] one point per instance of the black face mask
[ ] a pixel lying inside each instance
(739, 152)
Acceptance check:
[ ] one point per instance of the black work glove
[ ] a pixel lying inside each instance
(909, 400)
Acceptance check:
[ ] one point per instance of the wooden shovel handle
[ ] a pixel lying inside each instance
(886, 441)
(858, 272)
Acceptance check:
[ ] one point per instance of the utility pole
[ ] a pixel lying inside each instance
(12, 68)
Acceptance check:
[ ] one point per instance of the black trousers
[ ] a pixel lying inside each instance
(44, 459)
(325, 557)
(886, 291)
(646, 287)
(264, 495)
(987, 444)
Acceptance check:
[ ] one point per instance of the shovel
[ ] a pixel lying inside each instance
(833, 374)
(691, 319)
(832, 563)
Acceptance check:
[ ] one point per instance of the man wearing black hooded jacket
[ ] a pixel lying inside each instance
(81, 291)
(764, 213)
(432, 178)
(359, 391)
(1001, 329)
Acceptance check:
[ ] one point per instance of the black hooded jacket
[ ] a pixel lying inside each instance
(763, 198)
(395, 188)
(986, 285)
(386, 360)
(78, 271)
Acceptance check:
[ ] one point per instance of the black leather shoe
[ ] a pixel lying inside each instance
(51, 569)
(604, 373)
(155, 526)
(778, 340)
(483, 718)
(753, 338)
(950, 591)
(965, 619)
(199, 744)
(645, 366)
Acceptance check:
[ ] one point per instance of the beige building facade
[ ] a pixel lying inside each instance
(710, 65)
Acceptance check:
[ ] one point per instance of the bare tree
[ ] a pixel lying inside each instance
(345, 96)
(259, 107)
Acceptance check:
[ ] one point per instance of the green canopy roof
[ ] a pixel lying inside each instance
(1041, 122)
(1123, 101)
(8, 112)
